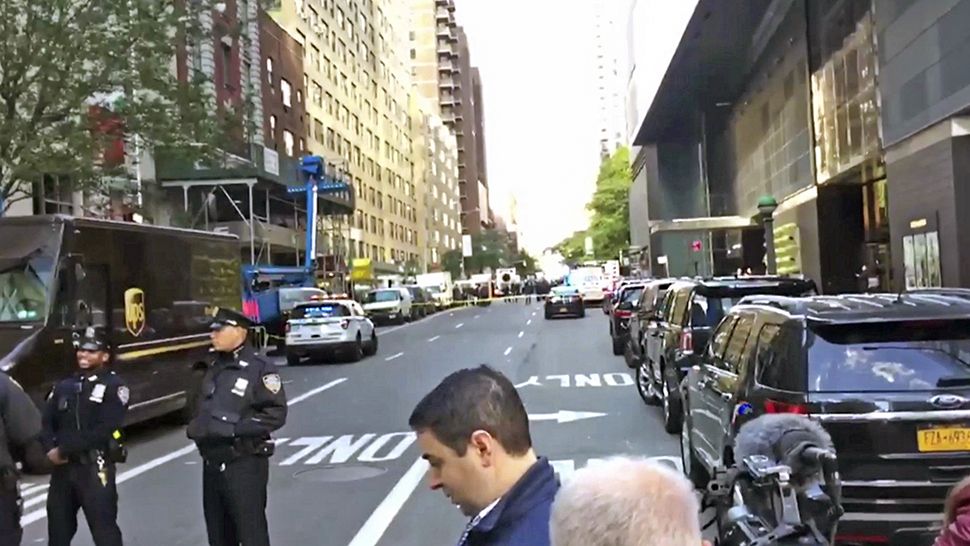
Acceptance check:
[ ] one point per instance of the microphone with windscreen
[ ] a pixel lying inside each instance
(788, 439)
(785, 486)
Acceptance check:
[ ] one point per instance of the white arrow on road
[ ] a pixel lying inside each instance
(565, 416)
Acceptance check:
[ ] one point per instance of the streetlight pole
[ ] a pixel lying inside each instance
(766, 207)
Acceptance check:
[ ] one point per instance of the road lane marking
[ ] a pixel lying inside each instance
(521, 333)
(508, 350)
(476, 316)
(459, 325)
(581, 380)
(433, 338)
(565, 416)
(528, 322)
(315, 391)
(378, 522)
(41, 513)
(392, 357)
(533, 313)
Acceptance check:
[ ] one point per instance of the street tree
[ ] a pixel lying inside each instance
(525, 264)
(451, 262)
(610, 223)
(489, 250)
(78, 75)
(572, 248)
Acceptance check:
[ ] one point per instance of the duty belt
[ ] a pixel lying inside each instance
(228, 450)
(88, 457)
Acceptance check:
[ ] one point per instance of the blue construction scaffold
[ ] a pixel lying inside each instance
(262, 305)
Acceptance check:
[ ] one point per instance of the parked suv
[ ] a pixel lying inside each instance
(421, 302)
(627, 302)
(689, 311)
(650, 300)
(887, 375)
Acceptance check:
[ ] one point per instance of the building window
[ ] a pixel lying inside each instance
(302, 145)
(318, 128)
(286, 90)
(299, 96)
(288, 142)
(226, 64)
(272, 126)
(269, 70)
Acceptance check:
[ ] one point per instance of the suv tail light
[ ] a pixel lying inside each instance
(345, 324)
(774, 406)
(687, 342)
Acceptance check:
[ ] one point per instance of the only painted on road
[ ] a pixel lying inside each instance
(580, 380)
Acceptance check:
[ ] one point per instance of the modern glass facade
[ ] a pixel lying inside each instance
(770, 123)
(845, 111)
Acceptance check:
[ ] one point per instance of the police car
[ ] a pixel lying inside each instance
(324, 328)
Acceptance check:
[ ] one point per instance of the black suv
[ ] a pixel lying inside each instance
(683, 324)
(651, 298)
(887, 375)
(626, 303)
(421, 302)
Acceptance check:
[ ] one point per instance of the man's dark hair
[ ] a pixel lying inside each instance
(474, 399)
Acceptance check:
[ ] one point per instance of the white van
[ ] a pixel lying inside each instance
(386, 305)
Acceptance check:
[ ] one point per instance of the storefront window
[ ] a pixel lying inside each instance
(921, 258)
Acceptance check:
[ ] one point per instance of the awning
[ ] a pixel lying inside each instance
(708, 223)
(710, 65)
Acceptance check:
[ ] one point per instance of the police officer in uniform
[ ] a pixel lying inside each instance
(19, 441)
(240, 403)
(82, 433)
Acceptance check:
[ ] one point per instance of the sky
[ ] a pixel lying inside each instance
(536, 59)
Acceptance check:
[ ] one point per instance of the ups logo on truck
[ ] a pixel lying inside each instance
(135, 311)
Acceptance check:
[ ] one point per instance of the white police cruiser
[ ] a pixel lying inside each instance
(323, 328)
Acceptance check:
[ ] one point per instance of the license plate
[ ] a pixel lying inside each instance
(563, 309)
(943, 439)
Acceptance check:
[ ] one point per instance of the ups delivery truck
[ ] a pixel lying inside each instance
(153, 288)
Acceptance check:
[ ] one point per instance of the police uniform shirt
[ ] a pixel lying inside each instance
(241, 395)
(83, 411)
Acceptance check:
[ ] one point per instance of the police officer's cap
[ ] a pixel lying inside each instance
(227, 317)
(94, 339)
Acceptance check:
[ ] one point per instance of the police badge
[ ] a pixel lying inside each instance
(123, 395)
(272, 382)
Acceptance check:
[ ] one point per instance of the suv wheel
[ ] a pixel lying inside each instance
(357, 351)
(693, 469)
(292, 359)
(672, 406)
(372, 346)
(645, 386)
(618, 345)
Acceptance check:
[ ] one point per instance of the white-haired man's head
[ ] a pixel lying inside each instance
(626, 502)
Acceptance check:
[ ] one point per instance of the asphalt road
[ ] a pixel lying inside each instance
(347, 469)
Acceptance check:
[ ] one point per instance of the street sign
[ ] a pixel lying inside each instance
(589, 246)
(466, 246)
(696, 246)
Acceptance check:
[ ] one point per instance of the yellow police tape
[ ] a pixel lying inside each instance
(261, 338)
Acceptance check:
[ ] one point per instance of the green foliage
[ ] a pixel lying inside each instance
(525, 264)
(490, 250)
(610, 225)
(572, 248)
(61, 58)
(451, 262)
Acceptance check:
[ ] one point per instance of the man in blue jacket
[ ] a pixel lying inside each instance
(474, 432)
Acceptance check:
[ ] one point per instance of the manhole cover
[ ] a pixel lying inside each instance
(340, 473)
